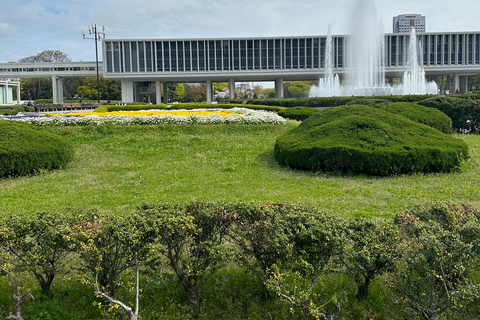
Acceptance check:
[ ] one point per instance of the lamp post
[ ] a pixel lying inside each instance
(97, 36)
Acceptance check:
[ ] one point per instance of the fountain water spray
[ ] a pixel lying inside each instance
(366, 62)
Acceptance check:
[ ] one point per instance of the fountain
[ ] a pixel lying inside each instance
(366, 62)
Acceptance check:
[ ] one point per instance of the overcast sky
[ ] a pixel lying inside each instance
(31, 26)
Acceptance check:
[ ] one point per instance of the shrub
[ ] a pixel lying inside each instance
(360, 139)
(13, 110)
(431, 117)
(372, 102)
(297, 113)
(26, 149)
(464, 112)
(184, 106)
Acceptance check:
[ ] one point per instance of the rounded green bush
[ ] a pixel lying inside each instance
(366, 140)
(297, 113)
(372, 102)
(26, 149)
(431, 117)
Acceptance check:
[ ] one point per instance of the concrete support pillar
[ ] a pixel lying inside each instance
(18, 93)
(279, 88)
(209, 91)
(165, 93)
(231, 88)
(158, 92)
(456, 82)
(57, 88)
(463, 84)
(127, 91)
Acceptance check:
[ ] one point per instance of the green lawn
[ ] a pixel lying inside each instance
(117, 168)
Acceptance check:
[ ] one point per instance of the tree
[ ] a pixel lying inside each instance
(37, 243)
(195, 92)
(41, 88)
(86, 92)
(180, 93)
(369, 249)
(110, 245)
(47, 56)
(439, 249)
(220, 86)
(298, 89)
(191, 237)
(109, 89)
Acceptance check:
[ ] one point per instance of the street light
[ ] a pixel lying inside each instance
(97, 36)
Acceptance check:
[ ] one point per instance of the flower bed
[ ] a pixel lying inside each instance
(200, 116)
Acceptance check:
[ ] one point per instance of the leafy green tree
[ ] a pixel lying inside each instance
(47, 56)
(439, 249)
(369, 249)
(35, 88)
(109, 89)
(37, 243)
(298, 89)
(195, 92)
(86, 92)
(191, 237)
(180, 92)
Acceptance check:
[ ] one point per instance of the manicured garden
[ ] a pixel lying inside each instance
(252, 238)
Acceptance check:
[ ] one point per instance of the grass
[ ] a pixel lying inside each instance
(116, 168)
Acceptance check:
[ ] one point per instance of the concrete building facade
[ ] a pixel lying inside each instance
(6, 91)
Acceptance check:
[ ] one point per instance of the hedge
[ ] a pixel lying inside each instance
(463, 110)
(13, 110)
(26, 149)
(429, 116)
(364, 140)
(297, 113)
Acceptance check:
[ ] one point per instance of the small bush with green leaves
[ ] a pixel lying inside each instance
(26, 149)
(13, 110)
(297, 113)
(431, 117)
(365, 140)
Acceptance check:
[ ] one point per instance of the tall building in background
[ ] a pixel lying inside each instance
(405, 22)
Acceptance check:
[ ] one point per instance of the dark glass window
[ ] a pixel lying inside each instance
(264, 54)
(270, 54)
(201, 55)
(134, 57)
(250, 54)
(109, 57)
(445, 49)
(460, 49)
(126, 53)
(188, 64)
(166, 55)
(159, 56)
(236, 55)
(309, 53)
(181, 59)
(431, 45)
(341, 50)
(116, 56)
(243, 54)
(173, 56)
(401, 47)
(477, 48)
(295, 53)
(393, 51)
(211, 55)
(470, 49)
(323, 48)
(453, 48)
(288, 53)
(226, 60)
(256, 53)
(141, 56)
(194, 56)
(148, 53)
(316, 53)
(439, 49)
(301, 45)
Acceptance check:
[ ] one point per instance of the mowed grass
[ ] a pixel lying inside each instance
(116, 168)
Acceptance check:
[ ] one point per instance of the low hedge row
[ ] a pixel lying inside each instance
(364, 140)
(297, 113)
(26, 149)
(13, 110)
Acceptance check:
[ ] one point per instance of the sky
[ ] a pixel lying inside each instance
(28, 27)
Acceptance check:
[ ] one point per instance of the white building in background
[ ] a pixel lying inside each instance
(6, 91)
(405, 22)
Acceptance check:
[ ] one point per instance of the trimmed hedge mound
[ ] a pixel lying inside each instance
(297, 113)
(372, 102)
(26, 149)
(431, 117)
(366, 140)
(13, 110)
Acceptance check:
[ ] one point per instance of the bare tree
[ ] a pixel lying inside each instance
(17, 295)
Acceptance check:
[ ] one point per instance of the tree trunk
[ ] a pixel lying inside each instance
(362, 291)
(192, 294)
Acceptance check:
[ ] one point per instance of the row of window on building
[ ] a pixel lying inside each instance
(124, 56)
